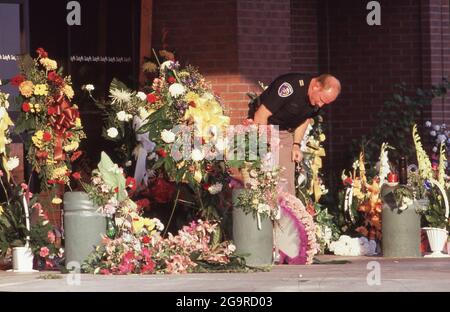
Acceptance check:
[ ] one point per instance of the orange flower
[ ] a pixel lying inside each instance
(362, 230)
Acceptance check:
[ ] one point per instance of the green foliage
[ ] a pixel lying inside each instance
(434, 216)
(395, 119)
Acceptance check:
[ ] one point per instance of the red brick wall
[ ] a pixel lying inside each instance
(304, 36)
(368, 60)
(436, 52)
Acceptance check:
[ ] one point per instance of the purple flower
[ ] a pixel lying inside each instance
(427, 184)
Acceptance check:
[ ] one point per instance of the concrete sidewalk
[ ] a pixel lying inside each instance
(396, 275)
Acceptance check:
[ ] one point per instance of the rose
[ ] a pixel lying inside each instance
(392, 177)
(151, 98)
(112, 132)
(197, 155)
(44, 252)
(167, 136)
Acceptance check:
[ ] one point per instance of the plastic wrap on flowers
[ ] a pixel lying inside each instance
(295, 232)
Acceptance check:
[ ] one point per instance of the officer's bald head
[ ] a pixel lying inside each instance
(323, 90)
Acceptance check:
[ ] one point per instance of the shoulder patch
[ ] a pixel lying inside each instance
(285, 89)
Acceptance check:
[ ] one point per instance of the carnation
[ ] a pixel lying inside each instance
(48, 63)
(167, 136)
(89, 87)
(112, 132)
(141, 96)
(68, 91)
(123, 116)
(26, 88)
(176, 90)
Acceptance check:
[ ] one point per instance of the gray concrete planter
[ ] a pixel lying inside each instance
(83, 226)
(249, 239)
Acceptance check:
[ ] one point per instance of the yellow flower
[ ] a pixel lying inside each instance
(40, 89)
(68, 91)
(1, 210)
(56, 200)
(149, 224)
(37, 139)
(191, 97)
(59, 172)
(71, 147)
(5, 123)
(26, 88)
(49, 64)
(322, 137)
(149, 67)
(78, 122)
(138, 224)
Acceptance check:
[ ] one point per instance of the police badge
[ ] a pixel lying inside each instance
(285, 89)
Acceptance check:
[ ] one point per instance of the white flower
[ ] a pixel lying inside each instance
(112, 132)
(263, 208)
(167, 136)
(433, 133)
(441, 138)
(428, 124)
(176, 90)
(128, 163)
(12, 163)
(253, 173)
(435, 149)
(215, 188)
(197, 155)
(166, 64)
(120, 96)
(141, 95)
(88, 87)
(231, 248)
(123, 116)
(437, 127)
(158, 224)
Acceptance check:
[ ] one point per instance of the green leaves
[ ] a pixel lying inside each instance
(112, 175)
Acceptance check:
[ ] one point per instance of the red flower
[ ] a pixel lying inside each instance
(17, 80)
(131, 183)
(151, 98)
(42, 52)
(26, 107)
(146, 239)
(47, 137)
(116, 189)
(52, 75)
(105, 272)
(171, 80)
(149, 267)
(348, 181)
(68, 134)
(143, 204)
(162, 191)
(161, 152)
(75, 156)
(42, 154)
(51, 110)
(206, 186)
(76, 175)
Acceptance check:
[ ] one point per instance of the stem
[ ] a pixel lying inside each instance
(4, 189)
(156, 56)
(171, 214)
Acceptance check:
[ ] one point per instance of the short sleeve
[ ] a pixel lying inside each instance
(271, 98)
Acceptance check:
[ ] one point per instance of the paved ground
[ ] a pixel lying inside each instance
(361, 274)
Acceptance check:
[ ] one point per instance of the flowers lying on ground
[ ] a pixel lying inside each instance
(347, 246)
(48, 115)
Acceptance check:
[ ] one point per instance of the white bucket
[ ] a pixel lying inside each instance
(22, 259)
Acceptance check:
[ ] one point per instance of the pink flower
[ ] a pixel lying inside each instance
(105, 272)
(48, 264)
(24, 186)
(149, 267)
(1, 173)
(51, 237)
(44, 252)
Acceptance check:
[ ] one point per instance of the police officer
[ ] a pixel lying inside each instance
(290, 102)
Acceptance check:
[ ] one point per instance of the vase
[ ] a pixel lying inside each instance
(437, 238)
(256, 245)
(401, 229)
(84, 227)
(23, 260)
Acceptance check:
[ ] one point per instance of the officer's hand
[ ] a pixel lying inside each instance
(297, 154)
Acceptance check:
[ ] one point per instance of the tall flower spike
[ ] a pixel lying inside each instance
(442, 164)
(423, 161)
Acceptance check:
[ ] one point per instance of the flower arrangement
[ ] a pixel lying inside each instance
(138, 246)
(438, 135)
(48, 116)
(261, 194)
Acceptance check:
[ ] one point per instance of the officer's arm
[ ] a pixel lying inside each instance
(300, 131)
(262, 115)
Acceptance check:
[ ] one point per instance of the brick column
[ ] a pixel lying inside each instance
(435, 20)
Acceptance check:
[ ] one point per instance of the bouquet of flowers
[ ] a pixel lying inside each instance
(49, 117)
